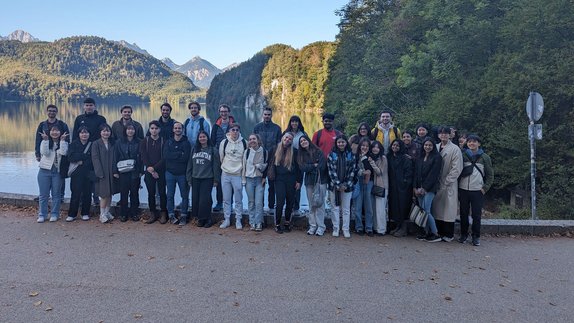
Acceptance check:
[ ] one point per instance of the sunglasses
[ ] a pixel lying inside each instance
(234, 130)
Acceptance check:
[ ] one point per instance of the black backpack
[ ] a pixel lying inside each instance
(226, 141)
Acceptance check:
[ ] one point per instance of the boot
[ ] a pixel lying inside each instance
(401, 232)
(152, 217)
(163, 218)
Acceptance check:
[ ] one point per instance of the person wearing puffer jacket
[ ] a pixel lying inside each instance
(52, 148)
(471, 189)
(231, 151)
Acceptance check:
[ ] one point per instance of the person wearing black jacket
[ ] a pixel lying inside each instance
(313, 164)
(400, 186)
(165, 122)
(284, 170)
(426, 183)
(91, 119)
(81, 184)
(151, 152)
(127, 149)
(176, 155)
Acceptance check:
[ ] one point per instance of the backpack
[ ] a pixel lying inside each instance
(247, 154)
(201, 121)
(226, 141)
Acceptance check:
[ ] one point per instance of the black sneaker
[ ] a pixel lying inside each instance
(476, 242)
(370, 233)
(462, 238)
(421, 236)
(200, 223)
(360, 232)
(207, 224)
(182, 221)
(279, 229)
(432, 238)
(287, 227)
(447, 239)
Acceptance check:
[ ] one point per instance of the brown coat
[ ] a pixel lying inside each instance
(380, 168)
(445, 203)
(102, 158)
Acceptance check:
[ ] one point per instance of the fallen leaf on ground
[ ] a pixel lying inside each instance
(138, 316)
(33, 294)
(38, 303)
(448, 298)
(48, 308)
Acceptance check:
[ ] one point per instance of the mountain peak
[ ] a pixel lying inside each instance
(21, 36)
(134, 47)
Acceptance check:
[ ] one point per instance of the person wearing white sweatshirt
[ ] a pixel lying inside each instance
(231, 152)
(255, 161)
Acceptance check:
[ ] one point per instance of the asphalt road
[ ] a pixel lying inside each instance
(90, 272)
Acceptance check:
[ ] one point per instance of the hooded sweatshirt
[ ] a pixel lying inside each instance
(255, 164)
(231, 155)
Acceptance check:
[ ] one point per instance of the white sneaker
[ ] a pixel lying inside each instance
(225, 224)
(103, 218)
(70, 219)
(53, 218)
(85, 217)
(109, 215)
(41, 219)
(311, 231)
(238, 225)
(252, 227)
(346, 234)
(336, 233)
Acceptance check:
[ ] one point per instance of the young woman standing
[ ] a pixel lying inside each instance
(363, 200)
(313, 164)
(103, 159)
(296, 128)
(255, 161)
(203, 173)
(426, 183)
(400, 186)
(127, 150)
(287, 176)
(52, 148)
(379, 164)
(81, 152)
(342, 166)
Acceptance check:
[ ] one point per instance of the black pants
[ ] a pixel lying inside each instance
(297, 202)
(470, 201)
(201, 198)
(271, 195)
(81, 188)
(445, 229)
(150, 184)
(285, 191)
(129, 188)
(219, 194)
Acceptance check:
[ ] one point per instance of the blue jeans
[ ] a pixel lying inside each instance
(49, 183)
(426, 203)
(229, 184)
(181, 182)
(364, 200)
(254, 189)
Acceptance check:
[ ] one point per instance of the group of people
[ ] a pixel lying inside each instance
(375, 172)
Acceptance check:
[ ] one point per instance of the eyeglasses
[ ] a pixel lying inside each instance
(54, 111)
(234, 130)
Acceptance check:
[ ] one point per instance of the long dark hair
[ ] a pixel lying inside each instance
(295, 118)
(402, 149)
(434, 151)
(197, 146)
(347, 146)
(307, 155)
(381, 150)
(107, 126)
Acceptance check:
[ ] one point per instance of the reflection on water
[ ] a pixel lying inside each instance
(19, 120)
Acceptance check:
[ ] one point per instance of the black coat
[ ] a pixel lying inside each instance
(400, 186)
(427, 173)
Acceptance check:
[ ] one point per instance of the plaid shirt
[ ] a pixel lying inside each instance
(350, 173)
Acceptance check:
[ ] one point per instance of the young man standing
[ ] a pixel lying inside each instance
(325, 138)
(218, 134)
(231, 153)
(91, 119)
(165, 122)
(270, 134)
(118, 127)
(176, 154)
(151, 151)
(385, 131)
(471, 189)
(445, 203)
(195, 123)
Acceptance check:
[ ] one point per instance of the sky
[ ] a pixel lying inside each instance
(220, 31)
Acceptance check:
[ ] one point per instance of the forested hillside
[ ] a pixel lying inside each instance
(75, 67)
(279, 76)
(470, 64)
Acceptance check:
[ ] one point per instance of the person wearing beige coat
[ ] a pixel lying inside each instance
(381, 178)
(445, 203)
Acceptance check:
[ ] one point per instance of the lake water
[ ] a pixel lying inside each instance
(19, 120)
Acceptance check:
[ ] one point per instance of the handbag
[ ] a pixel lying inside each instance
(378, 191)
(74, 166)
(318, 197)
(125, 166)
(418, 215)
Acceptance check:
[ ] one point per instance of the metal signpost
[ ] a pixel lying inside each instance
(534, 110)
